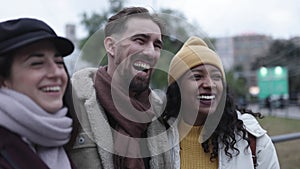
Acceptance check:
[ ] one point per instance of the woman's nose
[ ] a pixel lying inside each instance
(208, 82)
(54, 69)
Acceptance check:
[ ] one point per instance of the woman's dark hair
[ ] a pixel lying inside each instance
(5, 72)
(228, 126)
(68, 102)
(5, 67)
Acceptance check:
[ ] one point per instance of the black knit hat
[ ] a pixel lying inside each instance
(24, 31)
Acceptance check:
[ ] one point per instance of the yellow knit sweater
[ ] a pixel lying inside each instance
(192, 155)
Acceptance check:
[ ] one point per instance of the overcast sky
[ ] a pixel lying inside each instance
(217, 18)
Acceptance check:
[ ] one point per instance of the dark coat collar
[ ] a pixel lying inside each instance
(16, 154)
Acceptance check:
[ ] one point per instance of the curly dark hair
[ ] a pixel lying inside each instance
(228, 126)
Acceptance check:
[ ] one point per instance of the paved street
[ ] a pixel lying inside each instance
(291, 111)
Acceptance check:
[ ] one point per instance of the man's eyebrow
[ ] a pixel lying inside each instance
(145, 36)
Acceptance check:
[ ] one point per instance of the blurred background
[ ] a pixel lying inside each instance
(258, 42)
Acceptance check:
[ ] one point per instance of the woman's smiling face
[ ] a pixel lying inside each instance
(201, 89)
(38, 72)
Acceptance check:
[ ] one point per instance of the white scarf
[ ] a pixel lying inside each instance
(48, 132)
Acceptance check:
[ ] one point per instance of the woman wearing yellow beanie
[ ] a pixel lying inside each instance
(213, 132)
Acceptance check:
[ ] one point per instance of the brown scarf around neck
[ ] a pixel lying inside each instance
(127, 131)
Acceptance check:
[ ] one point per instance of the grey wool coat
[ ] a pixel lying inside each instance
(94, 142)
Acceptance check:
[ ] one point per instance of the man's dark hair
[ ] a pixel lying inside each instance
(117, 22)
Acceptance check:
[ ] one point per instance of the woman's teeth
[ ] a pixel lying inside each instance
(51, 89)
(206, 97)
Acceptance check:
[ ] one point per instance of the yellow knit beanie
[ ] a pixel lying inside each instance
(194, 52)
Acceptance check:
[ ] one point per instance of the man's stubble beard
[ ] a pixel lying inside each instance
(136, 84)
(139, 84)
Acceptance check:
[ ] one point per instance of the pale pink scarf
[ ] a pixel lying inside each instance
(47, 132)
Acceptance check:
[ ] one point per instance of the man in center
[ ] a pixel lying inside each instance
(116, 108)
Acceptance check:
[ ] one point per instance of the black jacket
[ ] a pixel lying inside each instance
(16, 154)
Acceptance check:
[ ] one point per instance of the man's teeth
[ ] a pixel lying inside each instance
(206, 97)
(51, 89)
(142, 66)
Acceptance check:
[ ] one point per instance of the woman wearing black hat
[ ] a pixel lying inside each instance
(37, 118)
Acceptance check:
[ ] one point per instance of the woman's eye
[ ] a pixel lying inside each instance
(217, 77)
(36, 63)
(197, 76)
(60, 62)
